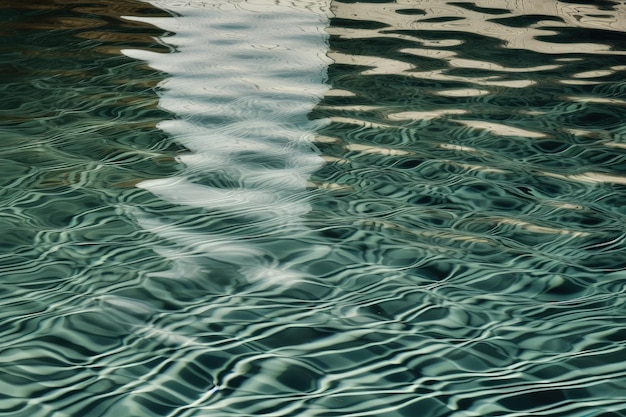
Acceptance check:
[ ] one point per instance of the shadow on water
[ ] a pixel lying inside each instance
(78, 124)
(78, 129)
(75, 109)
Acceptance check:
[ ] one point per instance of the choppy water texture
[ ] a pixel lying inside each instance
(301, 208)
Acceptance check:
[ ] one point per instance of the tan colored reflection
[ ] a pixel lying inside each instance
(534, 228)
(590, 177)
(573, 15)
(501, 129)
(468, 21)
(425, 115)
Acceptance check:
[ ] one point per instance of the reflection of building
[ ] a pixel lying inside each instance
(451, 72)
(537, 26)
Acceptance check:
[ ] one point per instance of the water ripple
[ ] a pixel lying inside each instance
(296, 208)
(486, 158)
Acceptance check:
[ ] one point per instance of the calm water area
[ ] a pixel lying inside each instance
(298, 208)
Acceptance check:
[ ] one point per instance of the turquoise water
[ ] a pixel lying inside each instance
(304, 208)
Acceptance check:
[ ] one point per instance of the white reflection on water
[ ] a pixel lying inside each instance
(243, 78)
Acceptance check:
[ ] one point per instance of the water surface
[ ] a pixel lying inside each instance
(293, 208)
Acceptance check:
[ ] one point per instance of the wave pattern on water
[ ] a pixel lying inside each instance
(243, 208)
(477, 152)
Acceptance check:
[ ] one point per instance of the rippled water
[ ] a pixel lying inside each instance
(308, 208)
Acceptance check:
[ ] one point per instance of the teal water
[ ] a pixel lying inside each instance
(300, 208)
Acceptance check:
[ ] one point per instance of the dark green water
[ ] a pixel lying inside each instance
(294, 208)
